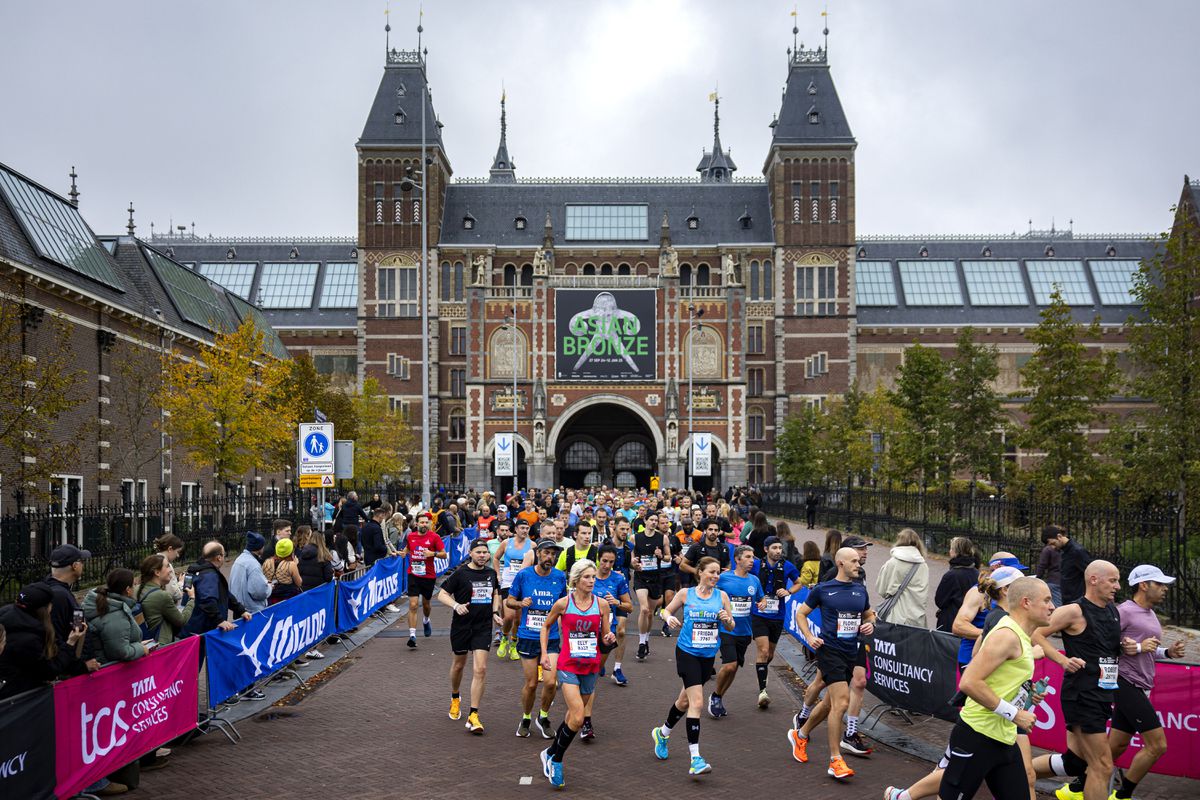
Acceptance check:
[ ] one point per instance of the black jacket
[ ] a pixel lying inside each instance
(374, 546)
(62, 617)
(1075, 560)
(313, 573)
(213, 600)
(23, 665)
(962, 575)
(351, 513)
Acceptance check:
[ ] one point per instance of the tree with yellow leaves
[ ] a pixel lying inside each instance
(386, 445)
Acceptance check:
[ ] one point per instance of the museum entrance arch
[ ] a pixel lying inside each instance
(604, 443)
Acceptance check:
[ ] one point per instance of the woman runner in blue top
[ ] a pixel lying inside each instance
(705, 607)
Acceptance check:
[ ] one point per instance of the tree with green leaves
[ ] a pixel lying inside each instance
(796, 461)
(883, 426)
(922, 392)
(386, 446)
(305, 391)
(973, 411)
(843, 445)
(1065, 385)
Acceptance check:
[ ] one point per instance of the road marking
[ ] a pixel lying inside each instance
(526, 780)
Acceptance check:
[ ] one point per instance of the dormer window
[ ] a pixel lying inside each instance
(862, 252)
(294, 254)
(170, 252)
(693, 223)
(986, 252)
(814, 116)
(230, 253)
(812, 87)
(401, 90)
(468, 222)
(1049, 251)
(924, 252)
(1111, 251)
(520, 222)
(745, 220)
(399, 118)
(354, 253)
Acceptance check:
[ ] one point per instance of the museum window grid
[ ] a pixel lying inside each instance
(401, 407)
(874, 284)
(458, 340)
(816, 291)
(458, 383)
(930, 283)
(755, 381)
(995, 283)
(581, 456)
(815, 403)
(756, 468)
(399, 366)
(1067, 276)
(1115, 281)
(756, 425)
(632, 456)
(458, 469)
(287, 285)
(607, 222)
(458, 425)
(396, 291)
(762, 280)
(236, 277)
(340, 286)
(754, 340)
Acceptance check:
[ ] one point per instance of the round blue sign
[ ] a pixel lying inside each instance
(316, 444)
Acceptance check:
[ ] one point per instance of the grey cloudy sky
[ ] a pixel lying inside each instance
(970, 116)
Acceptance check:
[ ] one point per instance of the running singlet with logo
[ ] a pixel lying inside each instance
(842, 606)
(1099, 645)
(744, 594)
(701, 631)
(643, 550)
(545, 590)
(580, 638)
(418, 544)
(773, 578)
(510, 565)
(616, 585)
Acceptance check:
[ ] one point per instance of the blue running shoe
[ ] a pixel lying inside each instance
(545, 756)
(699, 766)
(716, 707)
(556, 775)
(619, 678)
(660, 743)
(428, 629)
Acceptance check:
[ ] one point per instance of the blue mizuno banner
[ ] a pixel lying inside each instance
(360, 598)
(268, 641)
(457, 547)
(789, 617)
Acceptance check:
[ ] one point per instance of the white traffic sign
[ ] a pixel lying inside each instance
(315, 448)
(702, 455)
(506, 455)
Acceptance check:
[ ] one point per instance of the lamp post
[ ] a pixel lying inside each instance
(693, 317)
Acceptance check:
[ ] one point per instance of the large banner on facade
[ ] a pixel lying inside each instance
(119, 713)
(605, 334)
(27, 745)
(268, 641)
(1176, 697)
(912, 668)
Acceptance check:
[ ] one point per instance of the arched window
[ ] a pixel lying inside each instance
(606, 269)
(754, 280)
(458, 425)
(445, 281)
(702, 275)
(581, 456)
(592, 479)
(589, 269)
(756, 422)
(624, 270)
(510, 275)
(768, 281)
(632, 455)
(458, 280)
(527, 274)
(685, 274)
(625, 480)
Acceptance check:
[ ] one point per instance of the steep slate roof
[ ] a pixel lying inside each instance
(809, 89)
(495, 207)
(401, 89)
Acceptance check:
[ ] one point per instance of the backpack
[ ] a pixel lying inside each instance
(591, 556)
(147, 631)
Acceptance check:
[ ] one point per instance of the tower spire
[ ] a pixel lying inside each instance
(130, 227)
(825, 19)
(74, 193)
(502, 164)
(717, 166)
(387, 29)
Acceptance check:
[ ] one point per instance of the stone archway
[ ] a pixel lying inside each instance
(615, 438)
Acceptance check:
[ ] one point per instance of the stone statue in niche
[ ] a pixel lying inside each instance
(668, 263)
(672, 403)
(539, 399)
(543, 261)
(539, 437)
(479, 266)
(672, 437)
(733, 270)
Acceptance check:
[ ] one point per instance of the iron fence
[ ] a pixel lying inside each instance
(1126, 535)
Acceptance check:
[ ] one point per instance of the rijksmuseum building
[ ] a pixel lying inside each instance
(641, 303)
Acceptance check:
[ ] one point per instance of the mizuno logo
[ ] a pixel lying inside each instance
(251, 652)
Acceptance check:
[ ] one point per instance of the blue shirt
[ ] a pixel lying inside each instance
(545, 591)
(781, 576)
(744, 594)
(700, 634)
(616, 585)
(842, 606)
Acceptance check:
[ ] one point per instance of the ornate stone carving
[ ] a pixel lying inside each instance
(672, 398)
(539, 438)
(668, 262)
(708, 353)
(543, 262)
(558, 399)
(653, 400)
(539, 399)
(732, 267)
(480, 266)
(672, 437)
(500, 354)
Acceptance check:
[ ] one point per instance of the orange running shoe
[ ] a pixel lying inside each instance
(799, 745)
(838, 769)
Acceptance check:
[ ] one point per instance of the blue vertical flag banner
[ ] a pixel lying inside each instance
(268, 641)
(789, 617)
(358, 599)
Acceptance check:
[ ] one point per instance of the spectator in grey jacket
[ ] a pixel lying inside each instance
(247, 583)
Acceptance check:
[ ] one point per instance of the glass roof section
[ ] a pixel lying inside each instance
(245, 310)
(57, 231)
(340, 287)
(1068, 276)
(287, 285)
(603, 223)
(1114, 281)
(235, 277)
(873, 283)
(194, 298)
(995, 283)
(930, 283)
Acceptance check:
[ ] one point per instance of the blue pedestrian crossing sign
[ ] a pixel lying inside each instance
(315, 453)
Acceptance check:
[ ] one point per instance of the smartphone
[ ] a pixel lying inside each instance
(188, 579)
(77, 620)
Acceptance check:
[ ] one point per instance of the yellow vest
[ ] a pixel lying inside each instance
(1006, 681)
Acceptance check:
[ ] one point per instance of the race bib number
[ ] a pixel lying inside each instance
(740, 606)
(649, 562)
(847, 625)
(1108, 673)
(770, 605)
(418, 567)
(535, 620)
(481, 592)
(704, 634)
(582, 644)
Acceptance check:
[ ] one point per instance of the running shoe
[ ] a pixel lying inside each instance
(427, 628)
(798, 721)
(1113, 796)
(523, 728)
(764, 699)
(473, 723)
(455, 708)
(556, 774)
(412, 641)
(838, 769)
(891, 793)
(1064, 793)
(660, 743)
(643, 650)
(799, 746)
(853, 743)
(543, 723)
(317, 654)
(513, 655)
(545, 756)
(699, 766)
(392, 608)
(502, 651)
(666, 630)
(716, 708)
(619, 678)
(585, 732)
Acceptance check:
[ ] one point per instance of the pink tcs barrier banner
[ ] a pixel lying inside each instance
(117, 714)
(1176, 697)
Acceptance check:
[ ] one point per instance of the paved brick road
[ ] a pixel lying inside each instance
(379, 728)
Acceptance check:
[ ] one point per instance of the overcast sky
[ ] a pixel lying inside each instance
(971, 117)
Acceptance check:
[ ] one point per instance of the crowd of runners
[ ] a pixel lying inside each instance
(552, 583)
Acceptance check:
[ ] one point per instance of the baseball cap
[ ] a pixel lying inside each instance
(547, 544)
(502, 507)
(35, 596)
(478, 543)
(1005, 575)
(1148, 572)
(67, 554)
(425, 514)
(856, 542)
(283, 548)
(770, 540)
(1007, 562)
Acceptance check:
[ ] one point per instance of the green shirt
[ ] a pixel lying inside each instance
(1006, 681)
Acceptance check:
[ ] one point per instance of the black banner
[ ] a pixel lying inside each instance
(27, 745)
(605, 334)
(913, 668)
